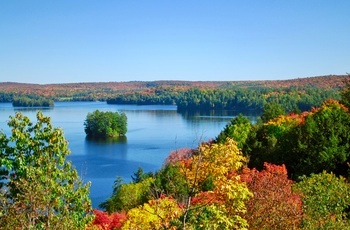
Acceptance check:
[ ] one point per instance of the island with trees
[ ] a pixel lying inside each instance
(100, 124)
(32, 102)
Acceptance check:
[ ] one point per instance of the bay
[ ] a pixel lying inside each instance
(153, 132)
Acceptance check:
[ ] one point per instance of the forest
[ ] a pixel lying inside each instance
(302, 93)
(289, 170)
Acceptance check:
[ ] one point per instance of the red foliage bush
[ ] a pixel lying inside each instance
(108, 222)
(274, 205)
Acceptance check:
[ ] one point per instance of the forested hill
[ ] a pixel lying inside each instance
(329, 81)
(170, 90)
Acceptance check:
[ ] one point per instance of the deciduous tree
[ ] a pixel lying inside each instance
(326, 201)
(41, 189)
(274, 204)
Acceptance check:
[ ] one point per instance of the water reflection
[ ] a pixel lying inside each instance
(32, 109)
(113, 148)
(217, 115)
(118, 139)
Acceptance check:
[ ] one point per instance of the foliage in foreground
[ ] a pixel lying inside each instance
(40, 189)
(274, 204)
(326, 201)
(215, 191)
(306, 143)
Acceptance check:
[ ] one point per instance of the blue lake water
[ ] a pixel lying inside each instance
(153, 131)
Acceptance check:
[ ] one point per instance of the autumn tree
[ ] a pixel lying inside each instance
(41, 189)
(206, 174)
(274, 204)
(161, 213)
(105, 221)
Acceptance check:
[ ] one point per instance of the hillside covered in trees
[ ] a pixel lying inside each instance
(301, 93)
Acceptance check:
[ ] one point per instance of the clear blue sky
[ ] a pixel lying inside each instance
(63, 41)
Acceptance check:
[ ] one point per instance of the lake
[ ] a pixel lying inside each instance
(153, 132)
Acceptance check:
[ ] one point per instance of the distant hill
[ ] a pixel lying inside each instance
(105, 90)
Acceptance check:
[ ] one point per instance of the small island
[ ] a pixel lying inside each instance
(32, 102)
(105, 124)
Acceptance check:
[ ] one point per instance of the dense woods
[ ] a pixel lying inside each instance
(289, 170)
(215, 95)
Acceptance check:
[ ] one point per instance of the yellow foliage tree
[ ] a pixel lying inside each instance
(224, 202)
(212, 161)
(162, 213)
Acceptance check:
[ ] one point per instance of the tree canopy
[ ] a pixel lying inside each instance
(40, 189)
(105, 124)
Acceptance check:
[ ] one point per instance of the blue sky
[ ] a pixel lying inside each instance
(100, 41)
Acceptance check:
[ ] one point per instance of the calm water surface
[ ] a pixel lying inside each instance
(153, 131)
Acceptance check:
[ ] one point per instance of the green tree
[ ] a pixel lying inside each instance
(238, 129)
(105, 124)
(323, 141)
(326, 201)
(306, 143)
(170, 181)
(128, 196)
(272, 110)
(41, 190)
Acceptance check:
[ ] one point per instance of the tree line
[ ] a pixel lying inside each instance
(32, 102)
(230, 99)
(102, 91)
